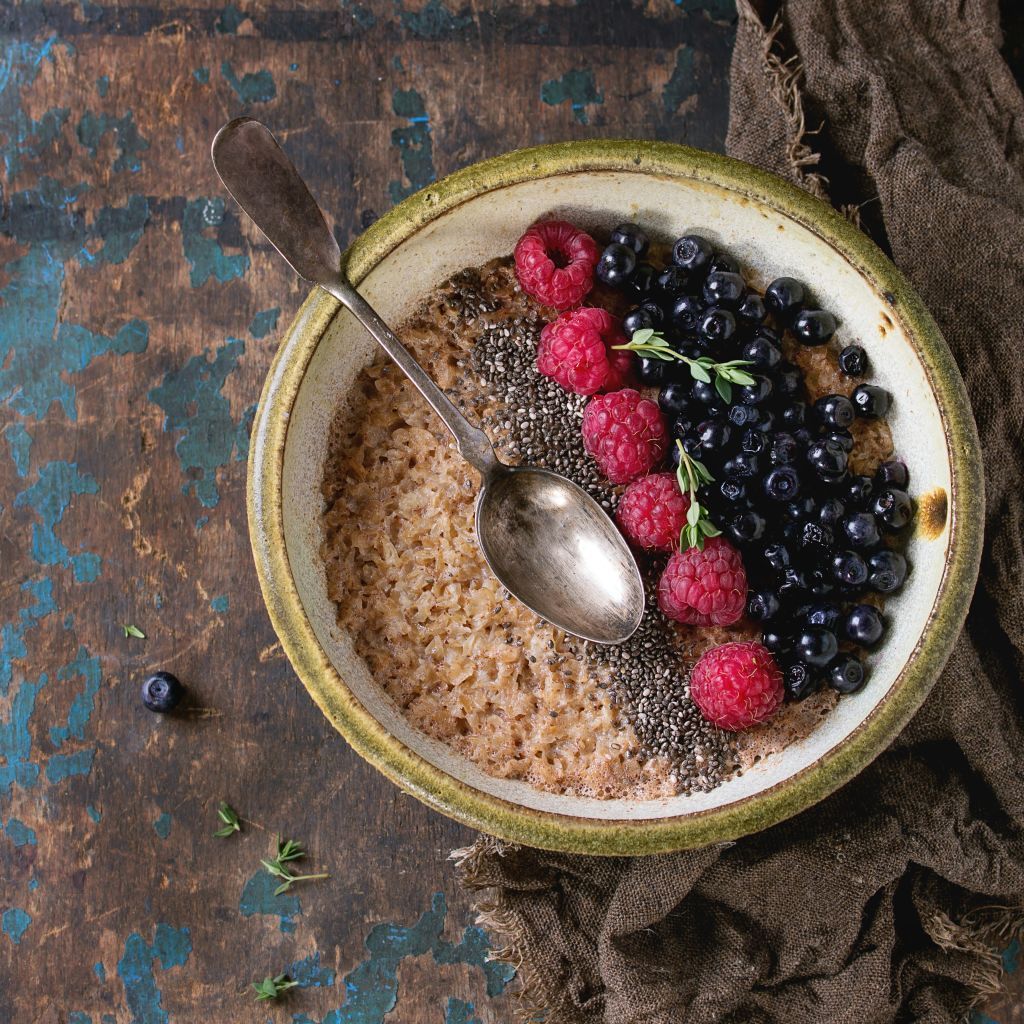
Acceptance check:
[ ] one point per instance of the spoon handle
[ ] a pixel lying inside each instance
(266, 185)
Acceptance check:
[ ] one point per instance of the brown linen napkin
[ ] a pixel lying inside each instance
(882, 903)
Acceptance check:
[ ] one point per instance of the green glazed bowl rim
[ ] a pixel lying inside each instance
(547, 829)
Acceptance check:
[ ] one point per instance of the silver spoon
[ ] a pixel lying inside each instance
(547, 541)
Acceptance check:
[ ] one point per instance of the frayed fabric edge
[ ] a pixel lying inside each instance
(535, 999)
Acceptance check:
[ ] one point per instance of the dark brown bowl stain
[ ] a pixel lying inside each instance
(931, 513)
(886, 325)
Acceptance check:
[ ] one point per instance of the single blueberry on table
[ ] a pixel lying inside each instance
(871, 401)
(162, 692)
(853, 361)
(864, 625)
(846, 674)
(785, 297)
(814, 326)
(887, 571)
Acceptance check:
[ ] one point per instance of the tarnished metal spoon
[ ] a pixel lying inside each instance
(546, 539)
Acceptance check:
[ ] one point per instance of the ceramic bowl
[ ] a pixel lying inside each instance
(774, 229)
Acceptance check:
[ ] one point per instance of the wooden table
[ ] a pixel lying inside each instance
(138, 316)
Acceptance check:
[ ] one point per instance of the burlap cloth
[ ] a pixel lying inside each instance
(886, 901)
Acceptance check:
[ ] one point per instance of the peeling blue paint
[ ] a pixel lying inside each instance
(16, 766)
(362, 16)
(1011, 957)
(220, 603)
(33, 885)
(414, 144)
(201, 75)
(193, 403)
(258, 898)
(64, 766)
(293, 67)
(171, 947)
(179, 143)
(575, 87)
(12, 634)
(88, 668)
(49, 497)
(130, 144)
(162, 825)
(19, 444)
(69, 621)
(459, 1012)
(93, 813)
(230, 18)
(681, 84)
(14, 922)
(434, 21)
(252, 87)
(79, 1018)
(19, 833)
(100, 971)
(205, 256)
(264, 322)
(307, 973)
(201, 522)
(91, 11)
(103, 85)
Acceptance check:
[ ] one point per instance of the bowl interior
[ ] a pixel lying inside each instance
(768, 243)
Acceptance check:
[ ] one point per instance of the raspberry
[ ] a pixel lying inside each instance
(574, 350)
(736, 685)
(620, 369)
(652, 512)
(555, 263)
(704, 587)
(625, 433)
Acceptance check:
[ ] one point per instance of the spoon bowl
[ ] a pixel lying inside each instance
(549, 543)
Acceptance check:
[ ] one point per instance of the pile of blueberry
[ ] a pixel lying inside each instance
(815, 538)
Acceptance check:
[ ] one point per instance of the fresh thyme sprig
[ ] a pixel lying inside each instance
(648, 342)
(287, 850)
(271, 988)
(232, 823)
(691, 473)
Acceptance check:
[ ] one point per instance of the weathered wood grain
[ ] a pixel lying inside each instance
(138, 317)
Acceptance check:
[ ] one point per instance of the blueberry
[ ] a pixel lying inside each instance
(792, 583)
(733, 491)
(752, 309)
(886, 571)
(756, 393)
(687, 312)
(816, 646)
(713, 435)
(644, 280)
(894, 473)
(704, 392)
(814, 326)
(721, 263)
(835, 411)
(826, 457)
(784, 297)
(723, 289)
(631, 236)
(776, 555)
(682, 426)
(849, 568)
(162, 692)
(823, 613)
(803, 436)
(674, 400)
(638, 319)
(789, 381)
(799, 680)
(762, 353)
(744, 415)
(616, 265)
(860, 529)
(747, 526)
(871, 401)
(858, 491)
(799, 511)
(742, 466)
(864, 625)
(893, 508)
(815, 539)
(775, 641)
(753, 441)
(762, 605)
(672, 282)
(692, 253)
(821, 582)
(846, 674)
(655, 311)
(651, 371)
(770, 334)
(841, 437)
(853, 361)
(782, 483)
(783, 449)
(830, 511)
(766, 421)
(716, 328)
(794, 414)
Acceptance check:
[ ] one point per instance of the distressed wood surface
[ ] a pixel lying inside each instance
(138, 316)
